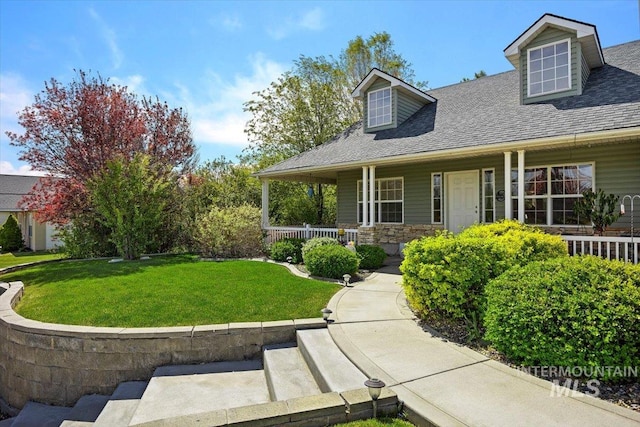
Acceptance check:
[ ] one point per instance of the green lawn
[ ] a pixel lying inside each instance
(10, 259)
(167, 291)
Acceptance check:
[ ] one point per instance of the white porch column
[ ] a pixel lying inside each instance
(521, 185)
(365, 199)
(507, 185)
(372, 196)
(265, 203)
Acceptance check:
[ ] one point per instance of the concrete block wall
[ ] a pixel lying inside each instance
(57, 364)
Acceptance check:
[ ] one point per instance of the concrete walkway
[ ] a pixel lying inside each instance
(444, 383)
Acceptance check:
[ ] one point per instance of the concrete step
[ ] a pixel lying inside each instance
(121, 405)
(329, 366)
(39, 415)
(287, 374)
(88, 407)
(6, 422)
(192, 389)
(130, 390)
(67, 423)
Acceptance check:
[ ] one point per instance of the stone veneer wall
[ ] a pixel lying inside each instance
(57, 364)
(389, 236)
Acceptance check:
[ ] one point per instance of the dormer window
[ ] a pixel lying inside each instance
(379, 107)
(549, 68)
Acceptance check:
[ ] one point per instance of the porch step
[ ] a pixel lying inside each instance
(39, 415)
(288, 375)
(123, 404)
(88, 408)
(186, 390)
(329, 366)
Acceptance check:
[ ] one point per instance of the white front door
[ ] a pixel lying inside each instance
(463, 199)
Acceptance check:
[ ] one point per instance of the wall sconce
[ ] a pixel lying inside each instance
(375, 387)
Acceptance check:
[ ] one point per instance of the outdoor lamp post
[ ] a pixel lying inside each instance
(325, 314)
(347, 279)
(375, 387)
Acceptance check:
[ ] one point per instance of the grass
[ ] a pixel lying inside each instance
(380, 422)
(167, 291)
(10, 258)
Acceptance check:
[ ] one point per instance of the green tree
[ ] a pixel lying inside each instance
(129, 197)
(599, 208)
(476, 76)
(11, 236)
(308, 106)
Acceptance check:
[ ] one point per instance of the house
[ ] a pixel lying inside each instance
(37, 236)
(522, 144)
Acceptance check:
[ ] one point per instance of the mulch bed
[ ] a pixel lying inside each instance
(624, 393)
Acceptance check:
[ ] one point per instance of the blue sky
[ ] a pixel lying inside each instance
(209, 56)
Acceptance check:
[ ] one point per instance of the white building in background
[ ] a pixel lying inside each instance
(37, 236)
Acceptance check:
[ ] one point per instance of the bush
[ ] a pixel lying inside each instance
(290, 247)
(331, 261)
(371, 257)
(232, 232)
(315, 242)
(445, 275)
(11, 236)
(580, 311)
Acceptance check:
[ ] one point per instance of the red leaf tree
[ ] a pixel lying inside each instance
(71, 132)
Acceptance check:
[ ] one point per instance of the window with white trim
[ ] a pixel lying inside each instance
(550, 192)
(436, 198)
(379, 107)
(488, 195)
(549, 68)
(389, 202)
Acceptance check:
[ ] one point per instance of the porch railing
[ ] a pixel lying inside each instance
(307, 232)
(620, 248)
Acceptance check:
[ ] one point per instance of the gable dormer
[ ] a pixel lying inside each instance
(387, 100)
(554, 57)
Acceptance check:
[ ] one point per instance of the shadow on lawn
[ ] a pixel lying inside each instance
(86, 270)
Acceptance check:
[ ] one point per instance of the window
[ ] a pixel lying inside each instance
(436, 198)
(389, 203)
(550, 193)
(549, 68)
(488, 195)
(379, 107)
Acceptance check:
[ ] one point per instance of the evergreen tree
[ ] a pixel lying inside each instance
(11, 235)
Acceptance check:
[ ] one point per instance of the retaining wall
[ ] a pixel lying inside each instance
(57, 364)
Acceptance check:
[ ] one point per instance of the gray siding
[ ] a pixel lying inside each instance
(617, 171)
(407, 106)
(585, 71)
(551, 35)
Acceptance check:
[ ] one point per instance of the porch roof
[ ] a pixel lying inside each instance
(485, 116)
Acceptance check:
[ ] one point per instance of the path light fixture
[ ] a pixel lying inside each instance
(375, 387)
(325, 314)
(289, 259)
(347, 279)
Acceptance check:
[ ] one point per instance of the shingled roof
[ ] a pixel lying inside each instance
(486, 112)
(12, 188)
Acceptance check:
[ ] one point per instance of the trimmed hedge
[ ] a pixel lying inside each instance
(232, 232)
(289, 247)
(371, 257)
(445, 275)
(579, 311)
(332, 261)
(315, 242)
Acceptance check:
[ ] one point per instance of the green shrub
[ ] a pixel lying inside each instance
(315, 242)
(11, 236)
(331, 261)
(371, 257)
(445, 275)
(580, 311)
(290, 247)
(232, 232)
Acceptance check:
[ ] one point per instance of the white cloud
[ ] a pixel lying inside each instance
(312, 20)
(14, 97)
(216, 112)
(6, 168)
(231, 22)
(110, 38)
(134, 83)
